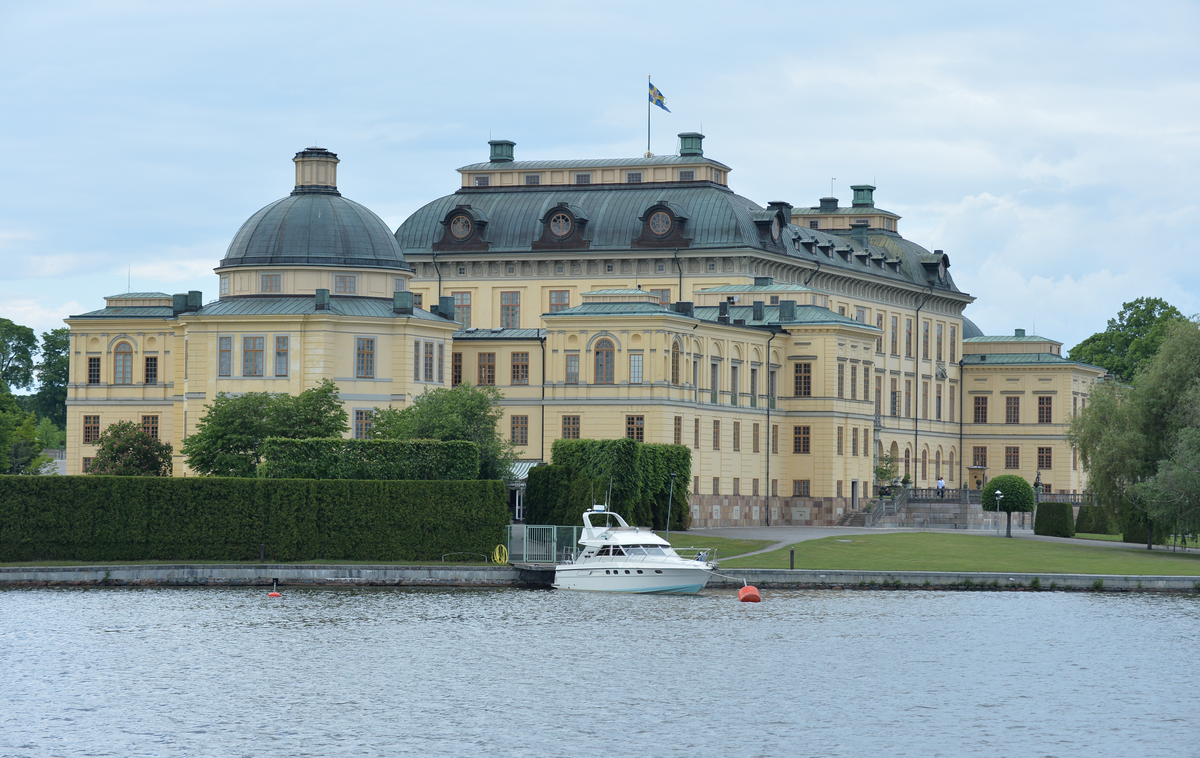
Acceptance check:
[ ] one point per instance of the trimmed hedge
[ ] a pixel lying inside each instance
(109, 518)
(338, 458)
(1054, 520)
(1093, 519)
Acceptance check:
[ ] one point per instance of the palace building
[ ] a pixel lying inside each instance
(789, 347)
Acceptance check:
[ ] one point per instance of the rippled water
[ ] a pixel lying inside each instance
(351, 672)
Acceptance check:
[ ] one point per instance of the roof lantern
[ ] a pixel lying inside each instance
(1018, 332)
(691, 143)
(502, 150)
(316, 171)
(863, 195)
(829, 204)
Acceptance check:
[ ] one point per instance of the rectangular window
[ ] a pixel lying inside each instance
(716, 485)
(854, 382)
(696, 434)
(1012, 457)
(950, 468)
(363, 424)
(520, 368)
(925, 400)
(417, 360)
(754, 436)
(635, 428)
(801, 488)
(87, 464)
(733, 385)
(532, 179)
(854, 441)
(224, 285)
(1074, 406)
(635, 368)
(583, 178)
(678, 438)
(520, 430)
(483, 181)
(814, 223)
(925, 340)
(510, 310)
(271, 283)
(801, 440)
(281, 356)
(879, 339)
(123, 364)
(398, 284)
(1012, 410)
(774, 488)
(93, 370)
(754, 487)
(364, 357)
(908, 346)
(737, 436)
(252, 356)
(418, 300)
(879, 396)
(224, 355)
(151, 374)
(908, 398)
(979, 456)
(714, 381)
(1074, 459)
(633, 177)
(696, 485)
(456, 369)
(560, 300)
(895, 336)
(570, 427)
(441, 363)
(687, 176)
(953, 339)
(573, 369)
(937, 406)
(428, 361)
(803, 380)
(91, 429)
(840, 447)
(716, 435)
(775, 439)
(952, 406)
(664, 296)
(1044, 406)
(980, 410)
(345, 284)
(462, 308)
(939, 342)
(737, 486)
(487, 368)
(839, 487)
(1044, 461)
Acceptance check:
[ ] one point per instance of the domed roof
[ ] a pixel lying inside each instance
(315, 226)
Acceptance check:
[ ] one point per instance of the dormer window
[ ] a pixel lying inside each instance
(583, 178)
(532, 179)
(483, 181)
(633, 177)
(560, 224)
(688, 175)
(660, 223)
(460, 226)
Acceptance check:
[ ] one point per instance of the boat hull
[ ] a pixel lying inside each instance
(676, 581)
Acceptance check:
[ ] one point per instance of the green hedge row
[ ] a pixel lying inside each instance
(368, 459)
(1094, 519)
(1054, 520)
(108, 518)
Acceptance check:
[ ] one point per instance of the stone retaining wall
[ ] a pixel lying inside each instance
(711, 511)
(817, 579)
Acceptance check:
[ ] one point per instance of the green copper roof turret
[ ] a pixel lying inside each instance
(502, 150)
(691, 143)
(863, 195)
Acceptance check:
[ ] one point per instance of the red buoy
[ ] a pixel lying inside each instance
(274, 594)
(749, 594)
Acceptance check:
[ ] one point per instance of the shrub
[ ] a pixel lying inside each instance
(105, 518)
(1054, 520)
(1093, 519)
(368, 459)
(1135, 527)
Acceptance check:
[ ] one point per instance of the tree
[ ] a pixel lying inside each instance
(17, 346)
(1172, 495)
(228, 438)
(888, 468)
(53, 371)
(48, 435)
(1131, 340)
(24, 450)
(125, 449)
(1017, 496)
(463, 412)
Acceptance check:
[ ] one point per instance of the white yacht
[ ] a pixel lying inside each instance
(626, 558)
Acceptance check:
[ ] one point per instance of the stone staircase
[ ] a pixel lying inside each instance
(853, 518)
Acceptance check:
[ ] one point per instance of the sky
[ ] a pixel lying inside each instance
(1048, 148)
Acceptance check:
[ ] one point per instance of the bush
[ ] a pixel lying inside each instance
(1093, 519)
(1135, 527)
(1054, 520)
(368, 459)
(105, 518)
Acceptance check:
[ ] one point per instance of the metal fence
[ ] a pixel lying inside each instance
(531, 543)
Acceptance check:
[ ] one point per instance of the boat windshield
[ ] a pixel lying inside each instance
(648, 550)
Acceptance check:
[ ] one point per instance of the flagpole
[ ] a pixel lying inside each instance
(648, 114)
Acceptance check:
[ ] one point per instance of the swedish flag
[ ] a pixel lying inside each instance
(658, 99)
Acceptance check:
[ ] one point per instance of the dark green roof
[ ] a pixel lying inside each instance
(970, 331)
(370, 307)
(619, 309)
(655, 160)
(757, 288)
(138, 295)
(1009, 338)
(475, 333)
(805, 315)
(1022, 359)
(122, 311)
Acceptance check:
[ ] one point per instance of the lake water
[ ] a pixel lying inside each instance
(354, 672)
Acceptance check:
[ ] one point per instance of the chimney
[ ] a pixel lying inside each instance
(863, 195)
(764, 281)
(691, 143)
(723, 308)
(758, 310)
(739, 322)
(446, 307)
(195, 300)
(502, 150)
(1019, 333)
(858, 233)
(322, 300)
(179, 303)
(316, 171)
(402, 302)
(685, 308)
(787, 310)
(723, 319)
(828, 204)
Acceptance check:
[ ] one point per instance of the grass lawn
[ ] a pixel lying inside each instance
(725, 546)
(922, 551)
(1104, 537)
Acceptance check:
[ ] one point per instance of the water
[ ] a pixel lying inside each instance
(356, 672)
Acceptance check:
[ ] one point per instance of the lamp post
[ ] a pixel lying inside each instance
(670, 500)
(999, 497)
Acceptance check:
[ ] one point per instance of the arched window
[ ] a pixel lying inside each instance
(604, 362)
(907, 461)
(123, 364)
(937, 464)
(950, 473)
(925, 464)
(675, 363)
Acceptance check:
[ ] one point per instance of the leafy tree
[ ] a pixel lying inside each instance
(1018, 496)
(464, 412)
(125, 449)
(228, 439)
(888, 468)
(1172, 495)
(1131, 339)
(53, 371)
(24, 451)
(17, 346)
(48, 435)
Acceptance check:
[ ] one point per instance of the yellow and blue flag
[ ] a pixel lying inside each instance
(658, 98)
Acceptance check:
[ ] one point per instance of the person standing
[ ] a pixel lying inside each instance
(941, 487)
